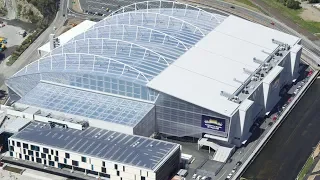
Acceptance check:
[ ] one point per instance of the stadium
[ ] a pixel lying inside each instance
(162, 67)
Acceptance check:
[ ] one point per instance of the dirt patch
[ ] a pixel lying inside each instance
(310, 13)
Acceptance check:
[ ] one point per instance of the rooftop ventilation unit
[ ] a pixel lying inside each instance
(254, 78)
(278, 42)
(258, 61)
(225, 94)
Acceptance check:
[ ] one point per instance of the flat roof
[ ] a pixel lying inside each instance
(100, 143)
(86, 103)
(217, 62)
(15, 124)
(68, 35)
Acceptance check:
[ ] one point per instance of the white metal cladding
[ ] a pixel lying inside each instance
(133, 44)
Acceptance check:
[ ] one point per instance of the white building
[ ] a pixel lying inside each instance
(166, 67)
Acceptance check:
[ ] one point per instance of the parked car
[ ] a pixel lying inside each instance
(238, 163)
(194, 176)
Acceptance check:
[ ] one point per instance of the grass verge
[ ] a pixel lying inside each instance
(305, 168)
(294, 15)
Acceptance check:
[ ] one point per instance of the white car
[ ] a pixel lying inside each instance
(204, 178)
(194, 176)
(233, 171)
(199, 177)
(229, 176)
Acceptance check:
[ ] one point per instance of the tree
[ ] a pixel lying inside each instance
(292, 4)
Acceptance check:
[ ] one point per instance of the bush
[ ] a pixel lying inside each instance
(292, 4)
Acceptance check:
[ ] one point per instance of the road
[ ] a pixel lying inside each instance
(286, 152)
(31, 53)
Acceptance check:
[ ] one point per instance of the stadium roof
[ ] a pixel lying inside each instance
(133, 45)
(103, 144)
(168, 46)
(87, 103)
(213, 64)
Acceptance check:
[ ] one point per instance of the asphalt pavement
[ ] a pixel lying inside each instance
(285, 154)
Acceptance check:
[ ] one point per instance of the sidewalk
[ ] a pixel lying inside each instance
(28, 174)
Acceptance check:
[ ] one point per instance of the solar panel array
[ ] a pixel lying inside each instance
(103, 144)
(134, 45)
(88, 104)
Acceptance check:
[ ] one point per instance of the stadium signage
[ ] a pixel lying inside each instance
(213, 123)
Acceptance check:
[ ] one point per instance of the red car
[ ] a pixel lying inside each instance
(274, 118)
(272, 23)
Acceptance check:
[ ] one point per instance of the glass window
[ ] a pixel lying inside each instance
(43, 155)
(75, 163)
(57, 153)
(49, 157)
(24, 151)
(11, 148)
(51, 163)
(11, 153)
(45, 150)
(20, 156)
(118, 173)
(65, 160)
(56, 159)
(52, 152)
(32, 158)
(18, 144)
(116, 166)
(45, 162)
(12, 143)
(103, 164)
(26, 157)
(38, 160)
(103, 170)
(30, 152)
(83, 159)
(37, 154)
(25, 146)
(143, 178)
(67, 155)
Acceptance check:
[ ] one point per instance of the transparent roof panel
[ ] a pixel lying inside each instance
(88, 104)
(134, 44)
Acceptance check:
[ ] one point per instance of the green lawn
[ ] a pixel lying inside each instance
(313, 27)
(306, 168)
